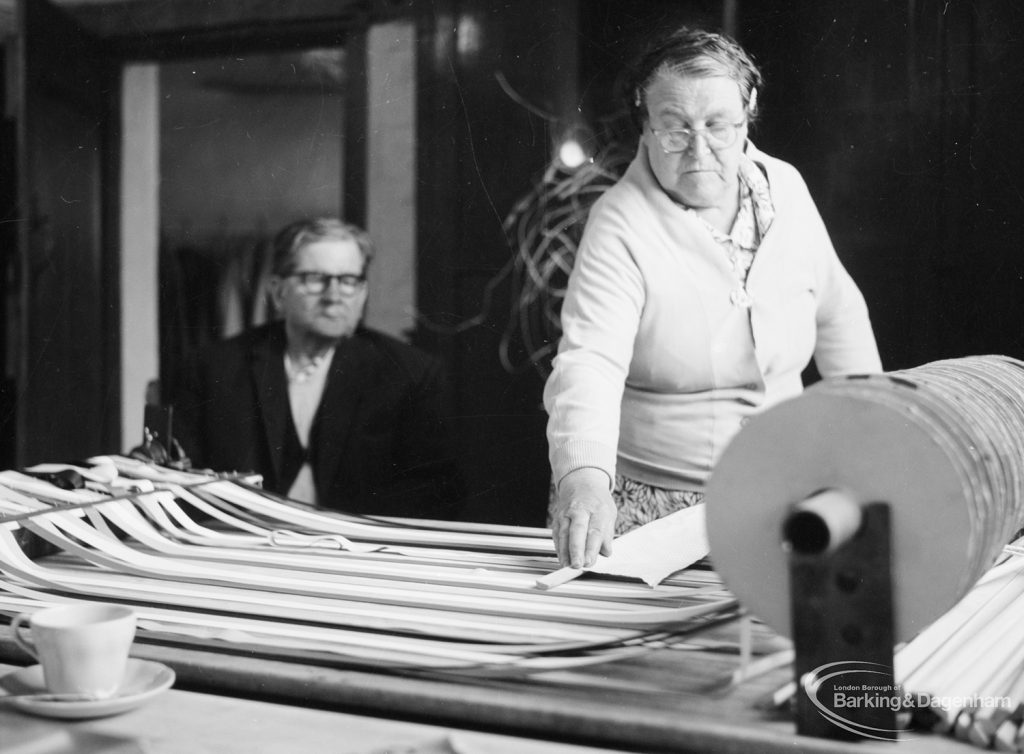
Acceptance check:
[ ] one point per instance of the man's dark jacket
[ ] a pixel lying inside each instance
(379, 443)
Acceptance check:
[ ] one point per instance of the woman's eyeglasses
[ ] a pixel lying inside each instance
(315, 283)
(717, 136)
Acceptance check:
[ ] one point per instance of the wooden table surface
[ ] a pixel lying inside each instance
(180, 722)
(668, 700)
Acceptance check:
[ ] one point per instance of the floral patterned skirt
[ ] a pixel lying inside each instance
(640, 503)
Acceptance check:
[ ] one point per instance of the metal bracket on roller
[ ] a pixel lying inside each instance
(841, 606)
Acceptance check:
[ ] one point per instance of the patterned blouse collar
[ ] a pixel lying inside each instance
(756, 210)
(755, 199)
(753, 219)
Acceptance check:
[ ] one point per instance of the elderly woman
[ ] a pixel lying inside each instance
(704, 284)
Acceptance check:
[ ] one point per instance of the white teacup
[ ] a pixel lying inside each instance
(83, 648)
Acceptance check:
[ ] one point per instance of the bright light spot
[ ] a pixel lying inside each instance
(571, 154)
(468, 33)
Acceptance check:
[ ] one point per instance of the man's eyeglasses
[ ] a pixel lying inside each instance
(315, 283)
(717, 136)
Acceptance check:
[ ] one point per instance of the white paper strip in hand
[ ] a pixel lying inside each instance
(650, 552)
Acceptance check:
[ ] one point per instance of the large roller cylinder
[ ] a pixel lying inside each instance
(942, 444)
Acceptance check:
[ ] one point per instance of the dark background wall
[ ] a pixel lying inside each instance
(901, 116)
(480, 150)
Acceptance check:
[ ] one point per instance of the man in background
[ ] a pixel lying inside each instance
(329, 412)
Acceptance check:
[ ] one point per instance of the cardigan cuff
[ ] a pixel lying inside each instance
(578, 454)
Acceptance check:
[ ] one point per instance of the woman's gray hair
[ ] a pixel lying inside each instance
(301, 233)
(692, 52)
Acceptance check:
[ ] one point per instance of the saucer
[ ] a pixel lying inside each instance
(143, 680)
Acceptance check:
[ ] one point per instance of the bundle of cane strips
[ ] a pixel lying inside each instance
(206, 559)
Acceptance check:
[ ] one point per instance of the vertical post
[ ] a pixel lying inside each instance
(390, 176)
(353, 180)
(842, 618)
(140, 220)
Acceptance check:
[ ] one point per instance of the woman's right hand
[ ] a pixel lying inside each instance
(583, 518)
